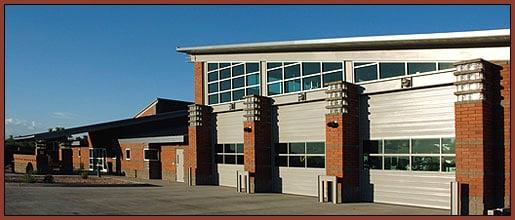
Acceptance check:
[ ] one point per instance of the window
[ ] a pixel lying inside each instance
(232, 81)
(127, 154)
(151, 154)
(416, 154)
(229, 154)
(366, 71)
(289, 77)
(302, 154)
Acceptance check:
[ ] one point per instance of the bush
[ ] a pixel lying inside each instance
(29, 178)
(48, 178)
(84, 174)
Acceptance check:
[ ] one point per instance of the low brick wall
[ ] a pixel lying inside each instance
(21, 161)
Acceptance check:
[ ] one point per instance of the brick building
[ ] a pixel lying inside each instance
(393, 119)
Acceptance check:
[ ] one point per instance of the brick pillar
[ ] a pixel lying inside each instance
(198, 82)
(258, 143)
(505, 93)
(342, 140)
(198, 164)
(479, 144)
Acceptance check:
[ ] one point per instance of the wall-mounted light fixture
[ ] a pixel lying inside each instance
(301, 97)
(332, 124)
(247, 129)
(232, 106)
(406, 82)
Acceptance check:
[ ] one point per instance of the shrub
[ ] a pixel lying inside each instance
(29, 178)
(84, 174)
(48, 178)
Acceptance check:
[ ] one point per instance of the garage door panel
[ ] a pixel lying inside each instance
(301, 122)
(229, 127)
(299, 181)
(227, 174)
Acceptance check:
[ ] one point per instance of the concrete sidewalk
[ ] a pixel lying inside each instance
(171, 198)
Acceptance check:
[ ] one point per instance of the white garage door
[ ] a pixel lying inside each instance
(227, 174)
(299, 181)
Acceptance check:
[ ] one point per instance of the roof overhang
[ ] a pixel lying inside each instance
(153, 140)
(434, 40)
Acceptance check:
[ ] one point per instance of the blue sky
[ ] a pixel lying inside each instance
(75, 65)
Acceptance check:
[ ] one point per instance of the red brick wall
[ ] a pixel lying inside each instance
(258, 149)
(199, 155)
(168, 161)
(21, 161)
(83, 159)
(135, 167)
(148, 112)
(342, 153)
(198, 82)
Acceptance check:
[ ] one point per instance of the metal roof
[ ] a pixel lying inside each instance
(500, 37)
(104, 126)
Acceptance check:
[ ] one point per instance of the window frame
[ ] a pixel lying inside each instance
(150, 149)
(235, 154)
(410, 155)
(406, 73)
(129, 150)
(230, 78)
(305, 155)
(301, 76)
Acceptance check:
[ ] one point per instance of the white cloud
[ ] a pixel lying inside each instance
(15, 126)
(63, 115)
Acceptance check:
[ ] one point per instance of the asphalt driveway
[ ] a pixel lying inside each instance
(179, 199)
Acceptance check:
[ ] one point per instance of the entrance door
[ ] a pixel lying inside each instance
(179, 164)
(97, 159)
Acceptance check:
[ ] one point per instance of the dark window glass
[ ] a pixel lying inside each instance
(375, 162)
(225, 85)
(287, 63)
(333, 77)
(297, 161)
(373, 146)
(213, 99)
(225, 73)
(273, 65)
(253, 91)
(396, 147)
(212, 76)
(281, 161)
(238, 70)
(316, 161)
(238, 94)
(275, 75)
(315, 148)
(331, 66)
(292, 71)
(292, 86)
(310, 68)
(151, 155)
(425, 146)
(239, 148)
(219, 148)
(219, 158)
(297, 148)
(387, 70)
(396, 163)
(425, 163)
(444, 66)
(222, 65)
(365, 73)
(281, 148)
(252, 67)
(421, 67)
(225, 97)
(212, 66)
(312, 82)
(127, 154)
(448, 164)
(356, 64)
(230, 159)
(448, 146)
(213, 87)
(238, 82)
(274, 89)
(230, 148)
(240, 159)
(252, 79)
